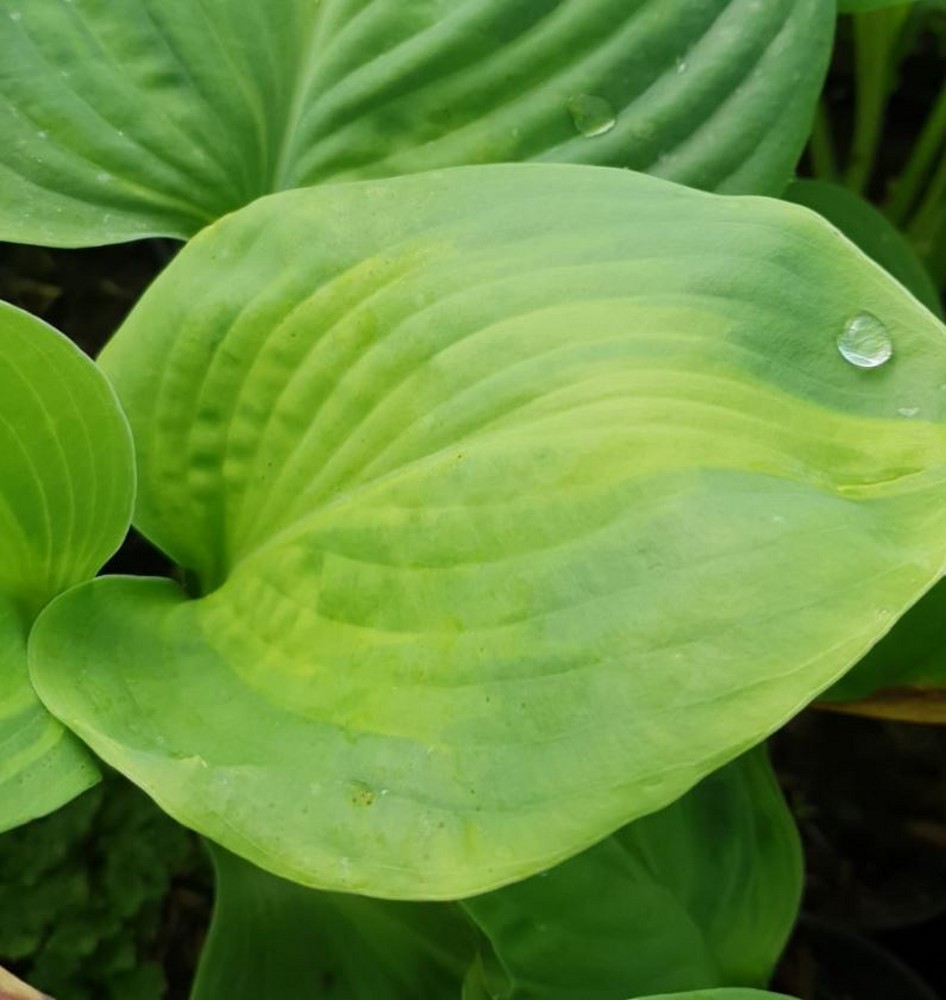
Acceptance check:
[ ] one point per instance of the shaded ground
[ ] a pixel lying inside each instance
(870, 801)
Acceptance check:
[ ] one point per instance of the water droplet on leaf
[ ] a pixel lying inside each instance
(865, 341)
(592, 115)
(908, 411)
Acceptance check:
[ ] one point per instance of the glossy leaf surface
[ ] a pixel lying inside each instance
(272, 938)
(911, 659)
(141, 117)
(520, 498)
(66, 491)
(702, 893)
(864, 225)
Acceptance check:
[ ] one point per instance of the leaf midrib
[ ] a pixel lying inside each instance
(305, 71)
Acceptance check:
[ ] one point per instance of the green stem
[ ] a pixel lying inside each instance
(906, 189)
(824, 160)
(936, 260)
(930, 217)
(875, 36)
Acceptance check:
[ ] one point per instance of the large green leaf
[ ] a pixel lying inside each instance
(519, 499)
(66, 491)
(126, 118)
(703, 893)
(272, 938)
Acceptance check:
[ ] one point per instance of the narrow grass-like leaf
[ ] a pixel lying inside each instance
(721, 994)
(128, 118)
(858, 6)
(66, 489)
(702, 893)
(520, 499)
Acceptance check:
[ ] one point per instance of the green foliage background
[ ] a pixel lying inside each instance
(82, 891)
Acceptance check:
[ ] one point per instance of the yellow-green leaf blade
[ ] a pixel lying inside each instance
(520, 498)
(66, 492)
(702, 893)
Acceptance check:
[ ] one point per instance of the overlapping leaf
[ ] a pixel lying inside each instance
(701, 893)
(140, 117)
(519, 499)
(66, 487)
(904, 675)
(272, 938)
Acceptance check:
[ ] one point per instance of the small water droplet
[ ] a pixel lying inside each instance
(681, 65)
(42, 135)
(103, 177)
(15, 15)
(908, 411)
(865, 341)
(592, 115)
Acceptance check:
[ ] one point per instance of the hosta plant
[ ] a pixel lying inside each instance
(513, 504)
